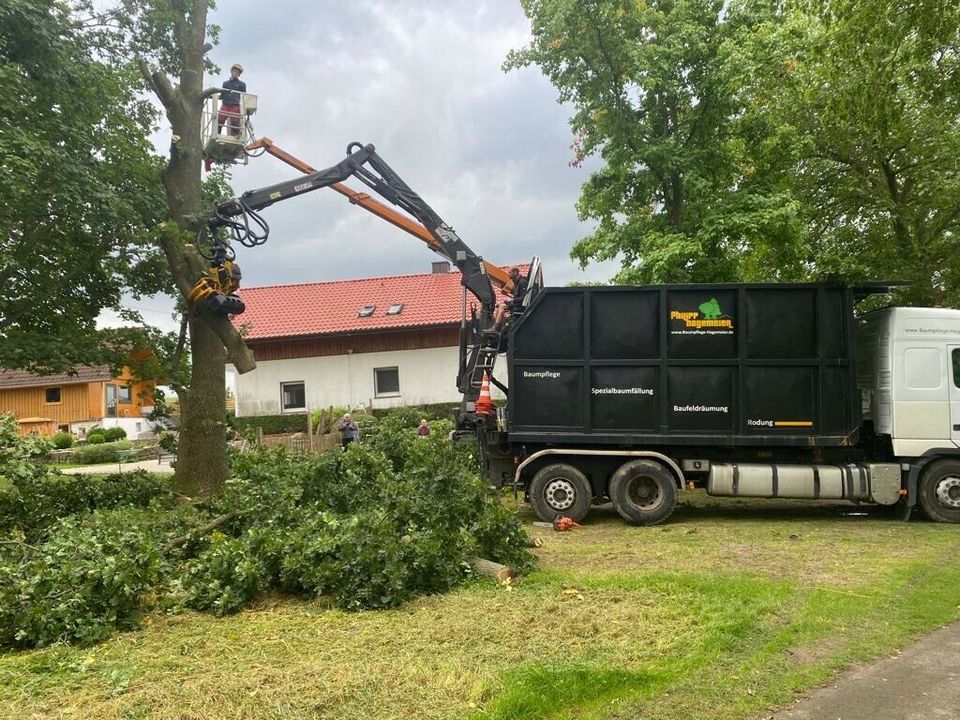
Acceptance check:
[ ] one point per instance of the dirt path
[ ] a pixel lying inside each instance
(920, 683)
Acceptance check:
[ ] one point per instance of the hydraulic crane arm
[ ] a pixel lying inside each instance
(366, 165)
(497, 276)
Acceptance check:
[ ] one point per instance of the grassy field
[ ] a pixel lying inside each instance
(730, 609)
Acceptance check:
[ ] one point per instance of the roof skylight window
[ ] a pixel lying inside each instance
(366, 311)
(395, 309)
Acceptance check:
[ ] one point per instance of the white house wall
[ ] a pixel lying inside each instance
(136, 428)
(427, 376)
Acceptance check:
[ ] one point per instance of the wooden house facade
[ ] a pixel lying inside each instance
(76, 402)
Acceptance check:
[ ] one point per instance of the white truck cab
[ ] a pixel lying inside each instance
(908, 363)
(908, 370)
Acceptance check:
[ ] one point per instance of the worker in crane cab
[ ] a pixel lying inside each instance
(515, 303)
(230, 101)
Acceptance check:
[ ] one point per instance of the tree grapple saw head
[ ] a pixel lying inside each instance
(215, 290)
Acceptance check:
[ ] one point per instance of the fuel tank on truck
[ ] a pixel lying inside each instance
(729, 365)
(872, 482)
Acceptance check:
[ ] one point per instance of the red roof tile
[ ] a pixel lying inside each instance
(21, 378)
(332, 308)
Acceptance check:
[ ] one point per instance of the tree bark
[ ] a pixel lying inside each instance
(490, 569)
(201, 467)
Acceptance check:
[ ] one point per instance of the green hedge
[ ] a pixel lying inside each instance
(271, 424)
(101, 452)
(114, 433)
(433, 411)
(291, 423)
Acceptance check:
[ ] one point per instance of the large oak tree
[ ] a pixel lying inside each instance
(168, 41)
(866, 96)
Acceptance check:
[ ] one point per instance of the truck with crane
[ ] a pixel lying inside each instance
(631, 394)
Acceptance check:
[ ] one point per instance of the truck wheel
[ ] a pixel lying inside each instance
(643, 492)
(939, 491)
(560, 490)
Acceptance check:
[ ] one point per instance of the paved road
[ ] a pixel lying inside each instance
(109, 468)
(921, 683)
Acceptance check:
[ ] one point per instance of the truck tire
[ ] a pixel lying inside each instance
(643, 492)
(560, 490)
(939, 491)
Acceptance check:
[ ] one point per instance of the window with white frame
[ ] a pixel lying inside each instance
(293, 396)
(386, 381)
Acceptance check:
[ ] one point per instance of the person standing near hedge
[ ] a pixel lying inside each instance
(348, 430)
(423, 430)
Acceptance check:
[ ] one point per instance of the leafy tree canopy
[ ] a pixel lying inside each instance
(79, 190)
(868, 92)
(763, 139)
(652, 88)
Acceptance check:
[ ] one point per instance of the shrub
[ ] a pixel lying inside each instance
(168, 442)
(271, 424)
(102, 453)
(62, 440)
(114, 433)
(96, 438)
(414, 413)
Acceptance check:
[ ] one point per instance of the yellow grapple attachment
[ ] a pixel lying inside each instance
(215, 290)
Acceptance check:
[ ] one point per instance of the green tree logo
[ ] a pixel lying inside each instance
(711, 309)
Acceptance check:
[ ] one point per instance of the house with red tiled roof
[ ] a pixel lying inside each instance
(380, 342)
(77, 401)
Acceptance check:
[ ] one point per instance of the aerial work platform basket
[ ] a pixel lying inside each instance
(226, 129)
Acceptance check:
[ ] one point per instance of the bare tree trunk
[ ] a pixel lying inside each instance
(201, 454)
(201, 468)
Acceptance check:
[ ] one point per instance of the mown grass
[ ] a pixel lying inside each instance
(730, 609)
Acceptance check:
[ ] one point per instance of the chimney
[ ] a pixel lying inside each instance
(440, 267)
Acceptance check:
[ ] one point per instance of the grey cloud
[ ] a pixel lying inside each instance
(422, 80)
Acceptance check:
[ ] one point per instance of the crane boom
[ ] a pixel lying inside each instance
(366, 165)
(496, 274)
(480, 338)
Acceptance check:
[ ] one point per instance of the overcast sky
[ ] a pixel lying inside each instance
(422, 80)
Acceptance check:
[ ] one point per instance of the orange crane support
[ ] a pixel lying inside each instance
(497, 276)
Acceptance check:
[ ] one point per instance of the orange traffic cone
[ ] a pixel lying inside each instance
(484, 405)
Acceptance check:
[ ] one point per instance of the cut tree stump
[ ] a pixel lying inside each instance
(490, 569)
